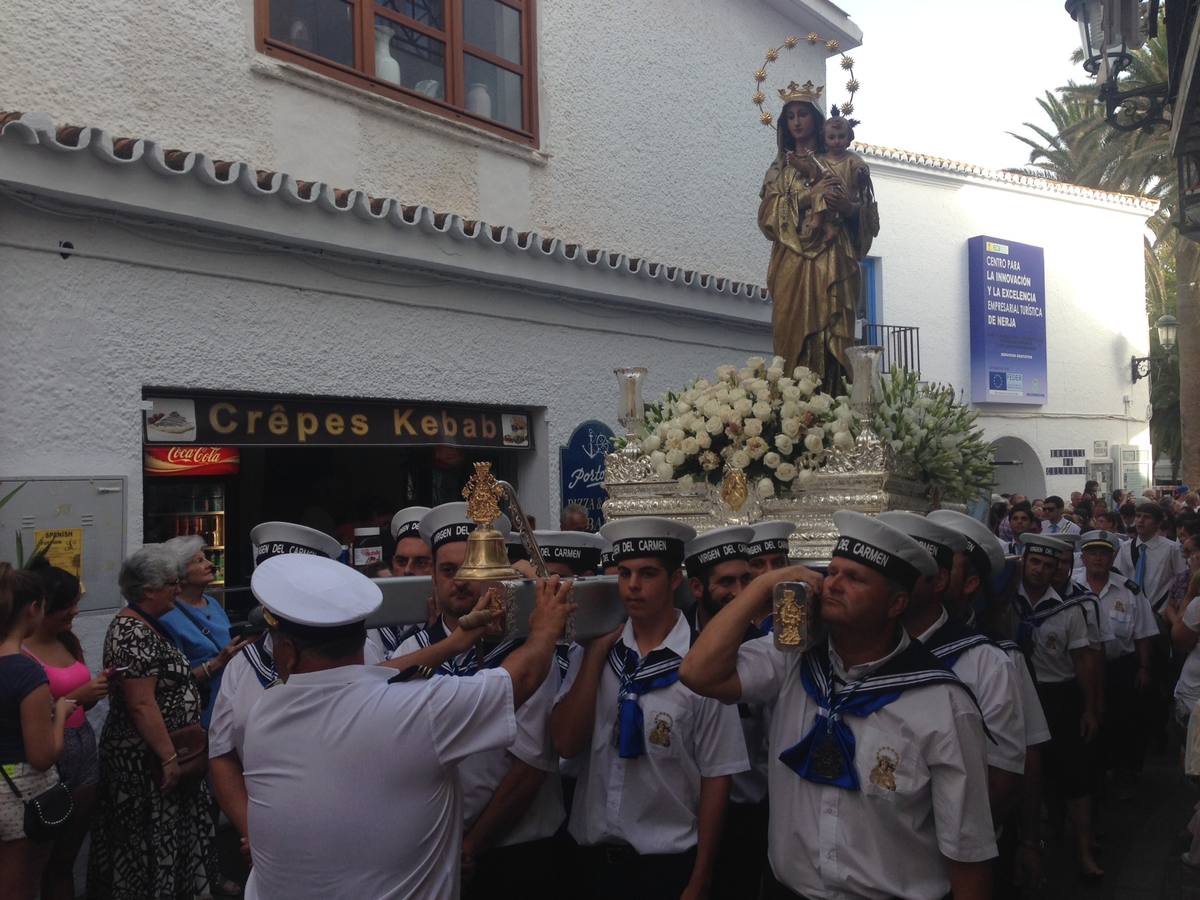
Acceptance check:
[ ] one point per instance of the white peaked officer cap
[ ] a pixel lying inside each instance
(580, 550)
(277, 538)
(1046, 545)
(643, 536)
(984, 549)
(407, 522)
(941, 542)
(449, 522)
(770, 537)
(314, 591)
(864, 539)
(717, 546)
(1099, 540)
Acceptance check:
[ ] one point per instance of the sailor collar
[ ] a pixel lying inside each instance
(862, 670)
(678, 639)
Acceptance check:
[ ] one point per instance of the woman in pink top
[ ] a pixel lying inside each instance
(56, 648)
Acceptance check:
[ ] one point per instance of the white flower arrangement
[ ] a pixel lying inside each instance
(775, 427)
(934, 437)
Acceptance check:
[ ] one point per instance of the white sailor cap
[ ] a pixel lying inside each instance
(642, 536)
(581, 550)
(1053, 545)
(407, 522)
(941, 542)
(770, 537)
(314, 591)
(985, 550)
(270, 539)
(1099, 540)
(864, 539)
(449, 522)
(717, 546)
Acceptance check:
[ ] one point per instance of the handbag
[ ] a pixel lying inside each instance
(191, 753)
(47, 813)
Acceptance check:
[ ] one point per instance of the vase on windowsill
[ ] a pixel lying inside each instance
(386, 66)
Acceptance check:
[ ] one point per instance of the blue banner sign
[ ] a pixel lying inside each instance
(1008, 321)
(581, 468)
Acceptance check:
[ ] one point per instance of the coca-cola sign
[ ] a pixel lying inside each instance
(191, 461)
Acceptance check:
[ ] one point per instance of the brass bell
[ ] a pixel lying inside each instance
(486, 558)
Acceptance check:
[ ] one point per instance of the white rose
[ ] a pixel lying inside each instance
(686, 481)
(743, 406)
(676, 457)
(789, 409)
(808, 385)
(726, 372)
(665, 471)
(739, 459)
(805, 476)
(766, 488)
(774, 373)
(702, 384)
(651, 443)
(756, 362)
(714, 425)
(837, 426)
(814, 442)
(791, 392)
(843, 440)
(784, 444)
(756, 447)
(704, 439)
(762, 410)
(753, 427)
(844, 412)
(777, 362)
(690, 446)
(802, 373)
(658, 457)
(675, 434)
(712, 407)
(745, 374)
(772, 460)
(819, 403)
(786, 472)
(790, 426)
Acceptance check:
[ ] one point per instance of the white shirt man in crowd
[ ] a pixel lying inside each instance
(1150, 560)
(511, 796)
(982, 666)
(657, 758)
(1127, 654)
(887, 797)
(313, 759)
(1053, 521)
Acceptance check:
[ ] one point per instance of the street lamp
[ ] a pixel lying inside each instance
(1109, 30)
(1168, 329)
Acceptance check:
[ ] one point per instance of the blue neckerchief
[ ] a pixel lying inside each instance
(826, 754)
(1031, 618)
(952, 640)
(658, 670)
(762, 629)
(469, 663)
(261, 661)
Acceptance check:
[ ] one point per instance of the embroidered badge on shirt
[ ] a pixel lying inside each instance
(1119, 606)
(884, 773)
(1051, 642)
(660, 734)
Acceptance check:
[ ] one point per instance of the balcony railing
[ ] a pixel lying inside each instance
(901, 345)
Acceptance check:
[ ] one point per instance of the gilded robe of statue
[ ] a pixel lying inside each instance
(814, 281)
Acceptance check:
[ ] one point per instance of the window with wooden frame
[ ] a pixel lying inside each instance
(469, 60)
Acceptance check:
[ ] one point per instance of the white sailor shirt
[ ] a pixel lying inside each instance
(989, 673)
(1055, 637)
(344, 746)
(482, 773)
(1037, 729)
(651, 802)
(1127, 613)
(239, 691)
(881, 841)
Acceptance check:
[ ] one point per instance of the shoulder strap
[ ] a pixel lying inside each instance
(4, 772)
(191, 615)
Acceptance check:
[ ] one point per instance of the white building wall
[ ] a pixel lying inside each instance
(649, 142)
(1095, 308)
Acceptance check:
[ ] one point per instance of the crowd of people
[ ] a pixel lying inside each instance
(955, 700)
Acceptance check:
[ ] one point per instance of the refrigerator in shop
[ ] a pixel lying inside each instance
(189, 499)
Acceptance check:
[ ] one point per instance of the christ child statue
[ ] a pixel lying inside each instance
(850, 170)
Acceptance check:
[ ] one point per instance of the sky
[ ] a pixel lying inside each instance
(951, 78)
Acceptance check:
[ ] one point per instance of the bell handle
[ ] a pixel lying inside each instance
(521, 523)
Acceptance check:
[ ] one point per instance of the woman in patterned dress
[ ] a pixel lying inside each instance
(153, 836)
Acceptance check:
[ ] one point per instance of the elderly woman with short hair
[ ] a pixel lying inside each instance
(198, 622)
(153, 835)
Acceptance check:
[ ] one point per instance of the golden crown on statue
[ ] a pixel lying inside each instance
(807, 93)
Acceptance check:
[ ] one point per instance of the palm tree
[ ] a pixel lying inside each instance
(1083, 149)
